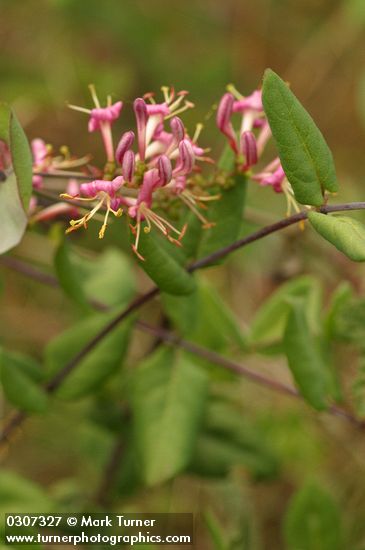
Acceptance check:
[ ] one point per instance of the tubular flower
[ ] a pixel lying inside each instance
(101, 118)
(150, 167)
(44, 161)
(104, 193)
(274, 176)
(246, 145)
(54, 210)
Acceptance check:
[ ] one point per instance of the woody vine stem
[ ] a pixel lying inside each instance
(17, 419)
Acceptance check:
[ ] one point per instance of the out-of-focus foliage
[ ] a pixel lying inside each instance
(243, 459)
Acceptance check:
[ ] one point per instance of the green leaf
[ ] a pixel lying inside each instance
(269, 322)
(340, 298)
(100, 364)
(227, 440)
(346, 234)
(204, 318)
(109, 278)
(305, 360)
(21, 495)
(313, 521)
(13, 135)
(304, 154)
(349, 322)
(20, 376)
(168, 401)
(106, 278)
(358, 388)
(227, 214)
(69, 278)
(161, 266)
(15, 191)
(227, 159)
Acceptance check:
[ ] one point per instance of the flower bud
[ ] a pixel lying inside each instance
(140, 110)
(128, 165)
(177, 129)
(249, 149)
(125, 143)
(164, 169)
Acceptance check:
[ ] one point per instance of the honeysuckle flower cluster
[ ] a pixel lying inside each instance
(248, 143)
(155, 163)
(159, 157)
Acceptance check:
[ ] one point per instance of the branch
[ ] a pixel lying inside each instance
(164, 335)
(154, 291)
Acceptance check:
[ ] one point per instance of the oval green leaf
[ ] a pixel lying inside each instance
(98, 366)
(168, 402)
(305, 360)
(346, 234)
(313, 521)
(227, 215)
(19, 379)
(304, 153)
(162, 267)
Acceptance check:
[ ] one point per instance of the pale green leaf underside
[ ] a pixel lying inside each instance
(346, 234)
(13, 220)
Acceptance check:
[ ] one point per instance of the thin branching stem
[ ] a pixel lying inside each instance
(17, 419)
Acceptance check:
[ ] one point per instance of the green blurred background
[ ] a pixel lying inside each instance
(50, 50)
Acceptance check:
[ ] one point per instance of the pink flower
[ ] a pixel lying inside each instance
(165, 160)
(246, 145)
(273, 175)
(105, 193)
(55, 210)
(101, 118)
(101, 115)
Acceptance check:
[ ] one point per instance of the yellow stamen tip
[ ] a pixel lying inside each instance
(102, 231)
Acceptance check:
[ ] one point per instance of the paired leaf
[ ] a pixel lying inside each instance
(168, 400)
(20, 379)
(305, 360)
(15, 191)
(227, 214)
(346, 234)
(313, 521)
(99, 364)
(162, 267)
(304, 154)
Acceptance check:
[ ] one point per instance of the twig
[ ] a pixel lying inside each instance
(164, 335)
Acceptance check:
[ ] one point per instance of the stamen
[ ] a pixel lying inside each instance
(197, 132)
(165, 90)
(77, 108)
(233, 90)
(94, 96)
(206, 223)
(185, 107)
